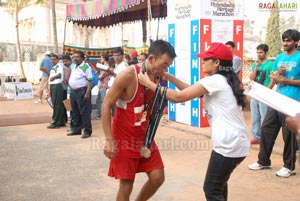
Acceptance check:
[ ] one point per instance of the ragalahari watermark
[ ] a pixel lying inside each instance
(166, 144)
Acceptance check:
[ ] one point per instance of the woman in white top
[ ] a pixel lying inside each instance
(223, 102)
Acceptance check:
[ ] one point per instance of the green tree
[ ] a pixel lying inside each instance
(248, 29)
(15, 6)
(283, 25)
(297, 25)
(54, 27)
(291, 22)
(273, 38)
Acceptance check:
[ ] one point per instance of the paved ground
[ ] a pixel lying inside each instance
(38, 164)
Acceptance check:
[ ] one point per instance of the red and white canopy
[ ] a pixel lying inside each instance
(102, 13)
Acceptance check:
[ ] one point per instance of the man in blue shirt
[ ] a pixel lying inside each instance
(286, 74)
(260, 71)
(45, 67)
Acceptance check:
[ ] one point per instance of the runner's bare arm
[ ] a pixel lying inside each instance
(119, 90)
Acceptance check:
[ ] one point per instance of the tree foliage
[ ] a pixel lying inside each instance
(273, 38)
(283, 24)
(15, 6)
(54, 27)
(297, 25)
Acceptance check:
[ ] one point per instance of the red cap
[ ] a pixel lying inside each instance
(133, 53)
(217, 51)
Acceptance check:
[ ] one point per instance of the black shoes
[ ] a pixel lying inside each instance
(85, 136)
(51, 126)
(54, 125)
(71, 133)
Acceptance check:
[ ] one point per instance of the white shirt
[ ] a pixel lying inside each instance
(58, 68)
(228, 129)
(118, 68)
(80, 75)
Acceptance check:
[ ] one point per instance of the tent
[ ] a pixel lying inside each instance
(103, 13)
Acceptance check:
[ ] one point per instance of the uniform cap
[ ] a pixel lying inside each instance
(217, 51)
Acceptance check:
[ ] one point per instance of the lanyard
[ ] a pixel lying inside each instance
(146, 106)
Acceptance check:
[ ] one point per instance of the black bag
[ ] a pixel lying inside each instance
(262, 76)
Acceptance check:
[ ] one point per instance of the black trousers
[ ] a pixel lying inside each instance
(81, 112)
(271, 125)
(218, 173)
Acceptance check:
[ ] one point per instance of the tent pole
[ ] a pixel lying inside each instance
(64, 35)
(157, 28)
(149, 18)
(122, 35)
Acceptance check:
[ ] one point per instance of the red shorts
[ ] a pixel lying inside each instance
(126, 168)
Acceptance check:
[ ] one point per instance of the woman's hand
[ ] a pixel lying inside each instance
(165, 76)
(144, 79)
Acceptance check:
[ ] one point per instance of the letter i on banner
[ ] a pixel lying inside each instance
(205, 40)
(195, 67)
(171, 39)
(238, 30)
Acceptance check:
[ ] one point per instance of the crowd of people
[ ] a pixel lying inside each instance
(73, 75)
(125, 99)
(286, 76)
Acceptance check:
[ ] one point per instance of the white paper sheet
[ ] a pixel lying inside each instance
(101, 66)
(49, 101)
(273, 99)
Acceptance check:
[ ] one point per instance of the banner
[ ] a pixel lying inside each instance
(18, 90)
(193, 25)
(98, 52)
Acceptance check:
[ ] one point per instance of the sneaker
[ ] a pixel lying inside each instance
(38, 101)
(284, 172)
(254, 141)
(257, 166)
